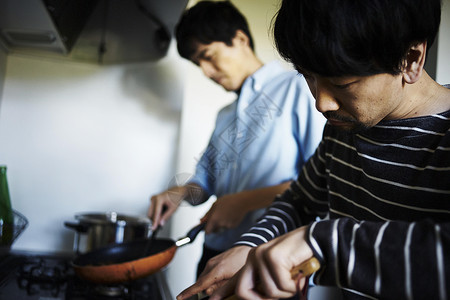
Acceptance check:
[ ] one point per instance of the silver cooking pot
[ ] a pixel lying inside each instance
(96, 230)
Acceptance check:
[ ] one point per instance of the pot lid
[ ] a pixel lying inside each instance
(111, 218)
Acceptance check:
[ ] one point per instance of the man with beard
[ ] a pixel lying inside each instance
(381, 175)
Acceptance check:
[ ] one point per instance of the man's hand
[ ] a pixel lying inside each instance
(217, 271)
(267, 272)
(163, 205)
(227, 212)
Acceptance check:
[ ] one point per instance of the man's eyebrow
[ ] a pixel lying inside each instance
(197, 56)
(194, 57)
(200, 54)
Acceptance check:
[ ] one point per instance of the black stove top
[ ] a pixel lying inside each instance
(29, 276)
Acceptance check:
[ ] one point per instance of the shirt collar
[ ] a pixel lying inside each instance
(265, 74)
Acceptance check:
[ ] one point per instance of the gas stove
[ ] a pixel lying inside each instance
(48, 276)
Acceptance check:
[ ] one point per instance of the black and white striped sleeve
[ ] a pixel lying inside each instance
(301, 204)
(383, 260)
(280, 218)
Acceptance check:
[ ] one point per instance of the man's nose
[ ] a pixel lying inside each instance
(207, 68)
(325, 101)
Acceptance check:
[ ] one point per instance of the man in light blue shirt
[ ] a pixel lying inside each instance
(260, 141)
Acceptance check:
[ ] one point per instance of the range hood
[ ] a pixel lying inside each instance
(94, 31)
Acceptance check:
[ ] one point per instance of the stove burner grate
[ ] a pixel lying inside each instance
(37, 275)
(33, 277)
(111, 291)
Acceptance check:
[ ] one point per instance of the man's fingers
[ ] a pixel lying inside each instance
(156, 214)
(194, 289)
(190, 291)
(150, 210)
(302, 287)
(226, 289)
(215, 286)
(206, 283)
(166, 212)
(205, 217)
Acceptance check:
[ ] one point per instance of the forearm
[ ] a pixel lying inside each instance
(390, 260)
(281, 217)
(260, 198)
(286, 213)
(194, 194)
(229, 210)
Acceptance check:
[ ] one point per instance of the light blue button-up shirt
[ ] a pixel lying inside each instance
(261, 139)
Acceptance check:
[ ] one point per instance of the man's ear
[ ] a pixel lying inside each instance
(241, 38)
(414, 62)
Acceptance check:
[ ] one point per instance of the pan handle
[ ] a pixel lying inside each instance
(83, 228)
(79, 229)
(191, 235)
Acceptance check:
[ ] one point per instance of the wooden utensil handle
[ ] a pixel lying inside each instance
(306, 268)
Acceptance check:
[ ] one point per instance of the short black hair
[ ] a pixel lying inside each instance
(353, 37)
(207, 22)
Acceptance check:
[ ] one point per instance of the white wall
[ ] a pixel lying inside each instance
(79, 137)
(2, 69)
(443, 51)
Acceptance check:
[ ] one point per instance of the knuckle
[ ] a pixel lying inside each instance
(271, 255)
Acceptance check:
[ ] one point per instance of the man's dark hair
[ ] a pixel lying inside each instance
(351, 37)
(208, 22)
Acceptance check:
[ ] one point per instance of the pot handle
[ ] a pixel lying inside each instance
(82, 228)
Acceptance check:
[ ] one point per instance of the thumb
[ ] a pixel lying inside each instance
(302, 287)
(206, 216)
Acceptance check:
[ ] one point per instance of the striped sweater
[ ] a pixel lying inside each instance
(385, 194)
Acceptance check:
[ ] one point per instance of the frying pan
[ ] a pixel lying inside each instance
(131, 260)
